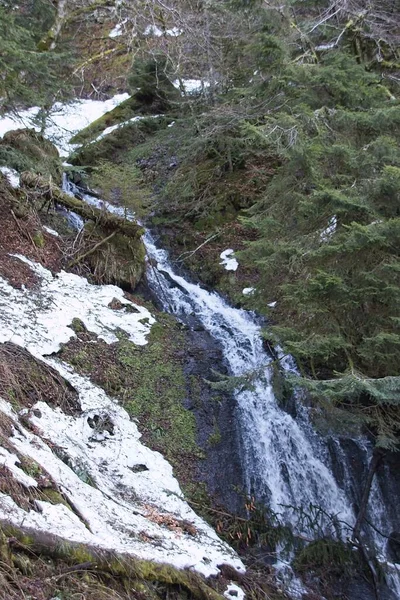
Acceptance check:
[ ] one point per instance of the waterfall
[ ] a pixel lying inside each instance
(280, 463)
(286, 463)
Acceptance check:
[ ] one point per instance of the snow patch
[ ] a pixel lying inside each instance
(51, 231)
(248, 291)
(12, 176)
(117, 31)
(120, 125)
(65, 120)
(157, 32)
(272, 304)
(228, 260)
(112, 501)
(10, 461)
(124, 494)
(191, 86)
(234, 592)
(40, 319)
(328, 232)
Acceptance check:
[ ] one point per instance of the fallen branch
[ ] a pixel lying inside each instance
(189, 254)
(108, 222)
(118, 565)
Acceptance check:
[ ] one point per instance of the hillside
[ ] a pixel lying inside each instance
(258, 142)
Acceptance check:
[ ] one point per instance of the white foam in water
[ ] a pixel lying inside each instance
(280, 462)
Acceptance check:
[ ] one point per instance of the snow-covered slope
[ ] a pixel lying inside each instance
(120, 495)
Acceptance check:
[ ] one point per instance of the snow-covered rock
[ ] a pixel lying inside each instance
(12, 176)
(249, 291)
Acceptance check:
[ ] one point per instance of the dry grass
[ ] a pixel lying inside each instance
(20, 226)
(24, 380)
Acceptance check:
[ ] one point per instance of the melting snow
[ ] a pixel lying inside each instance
(41, 319)
(117, 506)
(119, 125)
(228, 260)
(191, 86)
(64, 121)
(51, 231)
(10, 461)
(330, 230)
(234, 592)
(157, 32)
(12, 176)
(248, 291)
(117, 31)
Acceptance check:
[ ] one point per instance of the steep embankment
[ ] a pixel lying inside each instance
(76, 481)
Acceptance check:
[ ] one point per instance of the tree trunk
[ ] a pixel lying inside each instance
(88, 556)
(376, 457)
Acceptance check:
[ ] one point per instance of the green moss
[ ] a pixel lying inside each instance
(81, 360)
(78, 326)
(153, 580)
(215, 438)
(38, 239)
(116, 145)
(54, 497)
(30, 467)
(160, 389)
(27, 150)
(150, 382)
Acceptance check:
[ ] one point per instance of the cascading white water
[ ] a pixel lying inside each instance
(285, 462)
(279, 461)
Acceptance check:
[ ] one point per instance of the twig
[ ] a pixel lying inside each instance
(93, 249)
(26, 234)
(190, 253)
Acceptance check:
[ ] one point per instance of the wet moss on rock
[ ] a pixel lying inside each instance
(27, 150)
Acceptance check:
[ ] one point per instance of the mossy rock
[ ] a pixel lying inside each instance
(116, 144)
(27, 150)
(119, 261)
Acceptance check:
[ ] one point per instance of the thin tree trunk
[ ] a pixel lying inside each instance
(376, 457)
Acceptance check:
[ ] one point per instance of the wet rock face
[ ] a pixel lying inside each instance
(217, 428)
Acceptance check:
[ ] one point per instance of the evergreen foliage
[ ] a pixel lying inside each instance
(302, 144)
(29, 76)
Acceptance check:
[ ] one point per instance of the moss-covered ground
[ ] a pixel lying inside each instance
(150, 383)
(168, 188)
